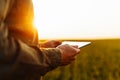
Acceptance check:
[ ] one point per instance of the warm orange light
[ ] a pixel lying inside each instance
(36, 13)
(44, 32)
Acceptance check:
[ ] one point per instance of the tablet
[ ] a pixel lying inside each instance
(80, 44)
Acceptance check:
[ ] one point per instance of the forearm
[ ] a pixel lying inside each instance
(52, 60)
(27, 57)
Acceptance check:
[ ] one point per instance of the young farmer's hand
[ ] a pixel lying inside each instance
(68, 53)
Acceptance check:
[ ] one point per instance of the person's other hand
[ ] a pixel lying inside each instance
(50, 44)
(68, 53)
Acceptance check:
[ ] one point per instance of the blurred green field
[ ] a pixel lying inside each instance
(98, 61)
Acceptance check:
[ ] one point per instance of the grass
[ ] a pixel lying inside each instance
(98, 61)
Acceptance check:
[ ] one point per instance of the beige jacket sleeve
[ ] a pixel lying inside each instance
(18, 58)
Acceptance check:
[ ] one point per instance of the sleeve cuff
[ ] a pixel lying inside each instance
(54, 56)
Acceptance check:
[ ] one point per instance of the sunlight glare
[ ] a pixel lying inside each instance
(77, 18)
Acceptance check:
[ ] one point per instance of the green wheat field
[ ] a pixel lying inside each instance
(97, 61)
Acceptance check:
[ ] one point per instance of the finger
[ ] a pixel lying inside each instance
(77, 50)
(75, 46)
(58, 42)
(73, 58)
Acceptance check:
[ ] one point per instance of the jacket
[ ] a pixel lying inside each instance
(20, 56)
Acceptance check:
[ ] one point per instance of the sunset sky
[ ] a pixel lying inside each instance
(77, 19)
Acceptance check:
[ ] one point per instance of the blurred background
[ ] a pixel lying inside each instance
(98, 61)
(77, 19)
(97, 21)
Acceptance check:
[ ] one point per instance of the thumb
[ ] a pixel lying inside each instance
(77, 50)
(75, 46)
